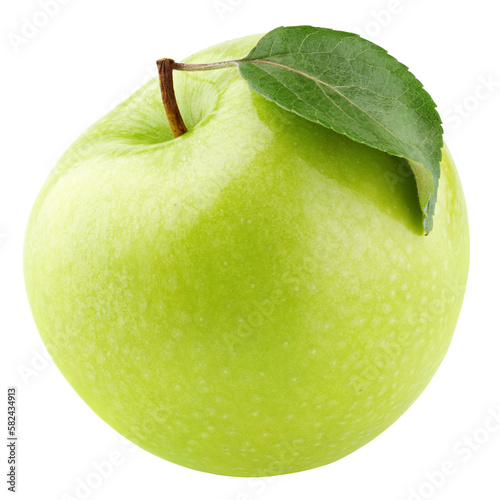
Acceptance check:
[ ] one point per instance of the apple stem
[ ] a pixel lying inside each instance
(165, 67)
(168, 96)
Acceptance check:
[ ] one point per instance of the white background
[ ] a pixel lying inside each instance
(91, 54)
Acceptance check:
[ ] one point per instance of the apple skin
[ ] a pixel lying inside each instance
(253, 298)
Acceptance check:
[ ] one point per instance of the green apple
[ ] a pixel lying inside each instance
(255, 297)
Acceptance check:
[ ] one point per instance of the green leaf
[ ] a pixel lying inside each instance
(356, 88)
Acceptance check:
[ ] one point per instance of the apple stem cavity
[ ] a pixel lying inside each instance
(165, 71)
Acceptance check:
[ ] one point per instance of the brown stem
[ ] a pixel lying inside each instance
(175, 120)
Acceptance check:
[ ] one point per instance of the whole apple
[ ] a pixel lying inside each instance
(255, 297)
